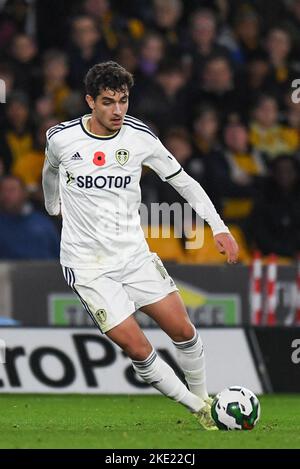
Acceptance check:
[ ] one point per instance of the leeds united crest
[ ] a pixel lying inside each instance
(122, 156)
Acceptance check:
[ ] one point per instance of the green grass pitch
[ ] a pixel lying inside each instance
(77, 421)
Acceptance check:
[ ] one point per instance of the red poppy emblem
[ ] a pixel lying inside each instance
(99, 158)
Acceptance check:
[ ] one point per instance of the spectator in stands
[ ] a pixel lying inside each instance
(14, 17)
(166, 21)
(275, 222)
(246, 168)
(104, 18)
(29, 168)
(292, 24)
(206, 128)
(244, 42)
(257, 70)
(54, 84)
(292, 20)
(164, 102)
(266, 134)
(44, 108)
(115, 28)
(87, 48)
(253, 79)
(278, 46)
(217, 87)
(151, 54)
(16, 136)
(24, 54)
(127, 56)
(245, 164)
(203, 45)
(52, 22)
(24, 233)
(209, 152)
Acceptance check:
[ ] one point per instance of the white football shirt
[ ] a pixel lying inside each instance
(99, 189)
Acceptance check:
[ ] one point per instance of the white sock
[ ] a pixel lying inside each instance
(161, 376)
(190, 355)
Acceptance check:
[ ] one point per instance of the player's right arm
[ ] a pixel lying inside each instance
(50, 179)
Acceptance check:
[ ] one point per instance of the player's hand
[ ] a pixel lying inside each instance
(226, 244)
(53, 211)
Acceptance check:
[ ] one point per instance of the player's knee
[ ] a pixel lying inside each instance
(184, 333)
(138, 352)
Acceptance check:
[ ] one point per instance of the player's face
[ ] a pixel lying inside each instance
(109, 109)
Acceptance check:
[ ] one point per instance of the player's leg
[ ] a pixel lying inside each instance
(171, 315)
(109, 305)
(155, 293)
(149, 366)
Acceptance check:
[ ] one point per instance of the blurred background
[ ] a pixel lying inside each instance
(214, 80)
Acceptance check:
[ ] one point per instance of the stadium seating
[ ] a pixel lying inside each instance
(172, 249)
(168, 247)
(237, 208)
(208, 253)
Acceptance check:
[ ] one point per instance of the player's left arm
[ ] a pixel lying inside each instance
(196, 196)
(169, 170)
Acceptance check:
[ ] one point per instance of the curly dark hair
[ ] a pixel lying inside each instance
(107, 75)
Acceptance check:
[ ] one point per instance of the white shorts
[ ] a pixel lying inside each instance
(112, 295)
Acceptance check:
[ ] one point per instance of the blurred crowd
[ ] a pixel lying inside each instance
(213, 79)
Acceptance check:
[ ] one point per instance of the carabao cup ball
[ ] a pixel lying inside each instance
(235, 408)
